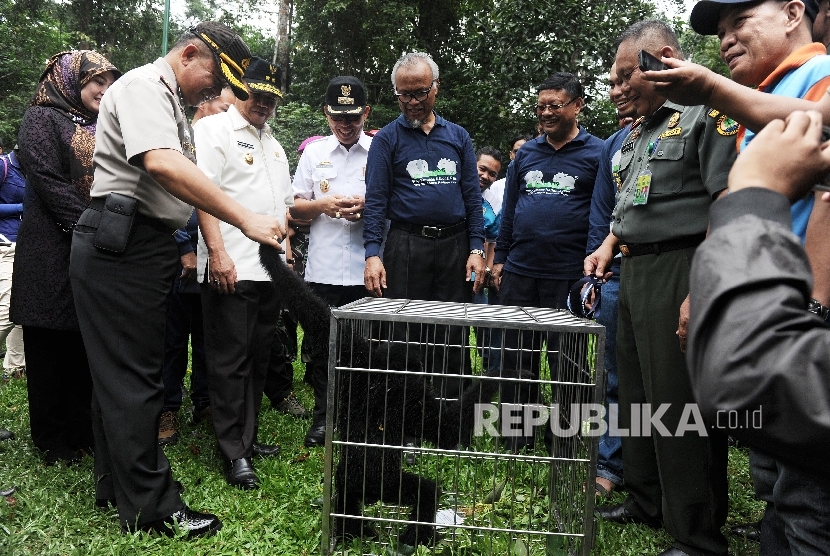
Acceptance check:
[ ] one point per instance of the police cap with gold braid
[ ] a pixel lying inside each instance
(264, 77)
(231, 52)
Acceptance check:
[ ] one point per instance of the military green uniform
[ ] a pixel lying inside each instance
(672, 165)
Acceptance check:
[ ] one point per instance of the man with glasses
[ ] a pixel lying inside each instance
(421, 175)
(544, 225)
(124, 260)
(240, 303)
(329, 189)
(673, 164)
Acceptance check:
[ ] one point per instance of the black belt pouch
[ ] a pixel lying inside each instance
(116, 222)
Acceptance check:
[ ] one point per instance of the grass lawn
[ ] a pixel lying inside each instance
(53, 511)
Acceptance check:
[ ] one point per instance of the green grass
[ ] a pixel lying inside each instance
(52, 511)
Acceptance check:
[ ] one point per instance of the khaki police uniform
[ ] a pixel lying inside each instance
(121, 298)
(672, 165)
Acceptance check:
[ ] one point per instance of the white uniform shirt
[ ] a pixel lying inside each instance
(225, 144)
(495, 195)
(335, 247)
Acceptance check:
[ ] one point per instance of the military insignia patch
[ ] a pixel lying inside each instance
(727, 126)
(670, 133)
(674, 119)
(713, 113)
(324, 186)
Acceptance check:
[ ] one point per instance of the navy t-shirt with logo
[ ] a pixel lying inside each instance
(422, 179)
(547, 202)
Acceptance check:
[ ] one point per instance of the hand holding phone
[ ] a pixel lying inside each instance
(647, 62)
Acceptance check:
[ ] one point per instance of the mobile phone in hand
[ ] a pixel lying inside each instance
(647, 62)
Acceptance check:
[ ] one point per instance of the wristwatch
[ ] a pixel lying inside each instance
(818, 309)
(479, 252)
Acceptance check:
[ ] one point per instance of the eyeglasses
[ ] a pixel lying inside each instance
(345, 118)
(269, 101)
(542, 108)
(419, 96)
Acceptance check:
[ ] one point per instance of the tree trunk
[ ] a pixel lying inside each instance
(283, 44)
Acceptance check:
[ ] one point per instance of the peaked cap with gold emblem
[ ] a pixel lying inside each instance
(345, 95)
(264, 77)
(231, 52)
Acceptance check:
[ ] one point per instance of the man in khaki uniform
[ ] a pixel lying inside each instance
(124, 260)
(673, 164)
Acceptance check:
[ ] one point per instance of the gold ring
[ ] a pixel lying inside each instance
(277, 238)
(337, 214)
(358, 216)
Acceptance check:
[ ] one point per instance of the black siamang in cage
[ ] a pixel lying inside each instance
(380, 409)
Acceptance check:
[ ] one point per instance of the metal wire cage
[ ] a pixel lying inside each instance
(465, 428)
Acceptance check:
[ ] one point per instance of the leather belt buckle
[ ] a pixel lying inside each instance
(431, 232)
(624, 250)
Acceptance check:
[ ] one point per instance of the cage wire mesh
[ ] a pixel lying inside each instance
(452, 429)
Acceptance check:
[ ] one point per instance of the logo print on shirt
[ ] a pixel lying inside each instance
(560, 184)
(420, 173)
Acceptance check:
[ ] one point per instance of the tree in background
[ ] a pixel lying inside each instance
(30, 32)
(492, 54)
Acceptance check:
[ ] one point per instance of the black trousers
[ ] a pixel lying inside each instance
(679, 479)
(184, 323)
(318, 366)
(59, 387)
(523, 349)
(430, 269)
(239, 330)
(121, 300)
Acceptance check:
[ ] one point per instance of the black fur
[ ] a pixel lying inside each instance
(381, 408)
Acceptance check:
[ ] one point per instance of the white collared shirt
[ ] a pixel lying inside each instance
(335, 247)
(252, 169)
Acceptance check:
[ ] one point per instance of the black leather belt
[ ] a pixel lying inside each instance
(434, 232)
(97, 204)
(637, 249)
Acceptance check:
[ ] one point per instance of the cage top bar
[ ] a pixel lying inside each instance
(466, 314)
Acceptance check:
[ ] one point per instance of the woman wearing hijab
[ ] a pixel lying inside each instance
(57, 139)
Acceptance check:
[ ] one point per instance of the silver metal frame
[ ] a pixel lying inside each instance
(574, 476)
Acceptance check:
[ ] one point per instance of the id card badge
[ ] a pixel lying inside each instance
(642, 188)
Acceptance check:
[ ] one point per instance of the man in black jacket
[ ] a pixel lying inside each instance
(759, 362)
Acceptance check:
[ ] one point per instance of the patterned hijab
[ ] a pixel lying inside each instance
(61, 82)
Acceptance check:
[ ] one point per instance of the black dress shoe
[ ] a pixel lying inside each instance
(673, 552)
(6, 435)
(104, 504)
(265, 450)
(749, 531)
(197, 524)
(241, 474)
(316, 436)
(618, 514)
(65, 454)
